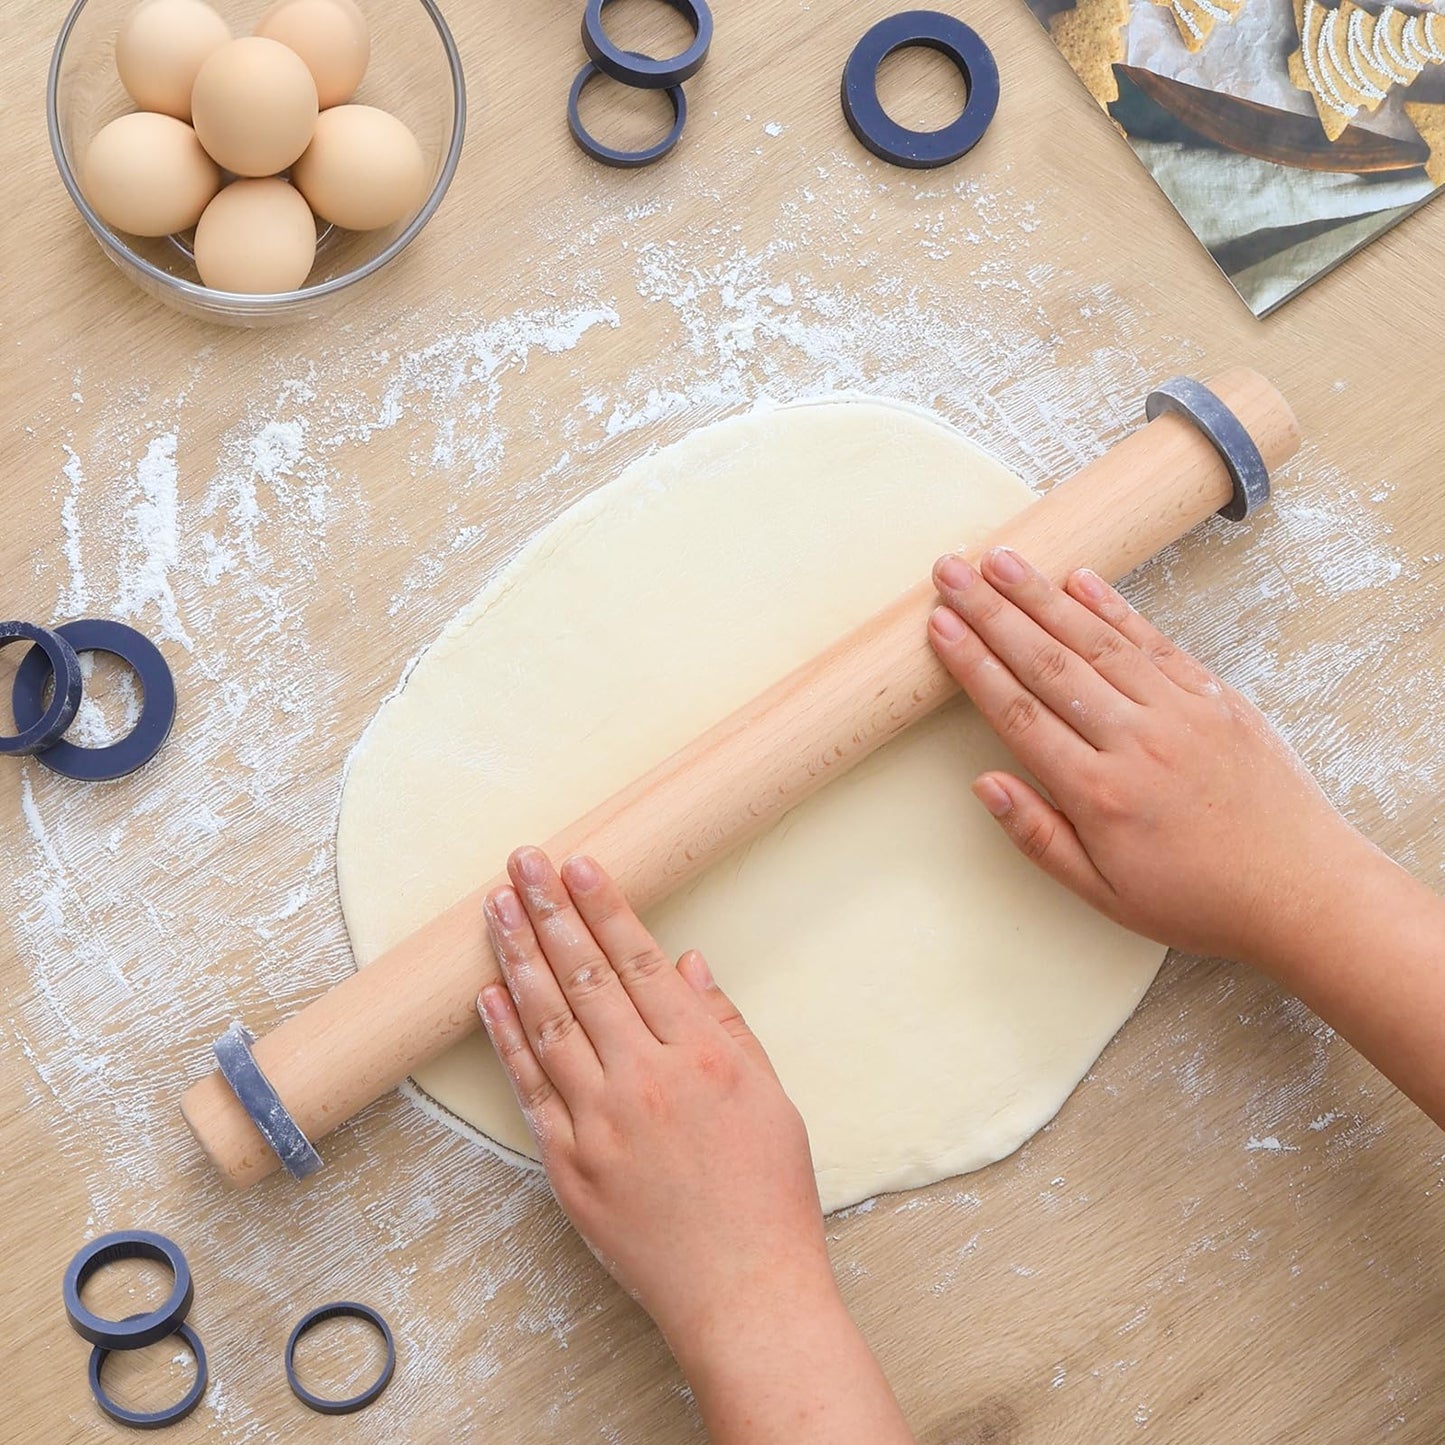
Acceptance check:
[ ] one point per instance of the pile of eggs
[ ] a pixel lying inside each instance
(245, 139)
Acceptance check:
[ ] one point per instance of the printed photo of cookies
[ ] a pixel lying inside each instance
(1287, 133)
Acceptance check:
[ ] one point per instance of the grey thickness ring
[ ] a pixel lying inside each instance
(1196, 403)
(270, 1116)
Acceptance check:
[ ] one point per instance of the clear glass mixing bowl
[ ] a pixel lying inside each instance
(415, 73)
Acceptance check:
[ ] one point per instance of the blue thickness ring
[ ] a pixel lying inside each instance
(623, 160)
(342, 1309)
(139, 1330)
(1183, 396)
(151, 1419)
(642, 71)
(920, 150)
(272, 1119)
(46, 726)
(158, 710)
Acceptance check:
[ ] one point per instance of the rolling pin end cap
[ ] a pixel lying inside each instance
(1192, 400)
(260, 1100)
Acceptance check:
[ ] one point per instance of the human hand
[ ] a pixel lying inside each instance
(665, 1133)
(672, 1147)
(1176, 809)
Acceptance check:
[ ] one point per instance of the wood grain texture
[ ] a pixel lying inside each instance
(1148, 1267)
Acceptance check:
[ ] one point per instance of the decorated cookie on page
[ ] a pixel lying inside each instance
(1429, 120)
(1423, 38)
(1371, 78)
(1091, 38)
(1406, 44)
(1317, 67)
(1196, 19)
(1350, 59)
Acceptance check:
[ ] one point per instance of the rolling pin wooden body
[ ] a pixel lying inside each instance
(364, 1036)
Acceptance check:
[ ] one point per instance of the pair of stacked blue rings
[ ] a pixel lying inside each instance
(137, 1331)
(641, 72)
(53, 663)
(929, 30)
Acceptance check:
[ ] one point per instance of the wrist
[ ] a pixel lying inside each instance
(1341, 903)
(719, 1327)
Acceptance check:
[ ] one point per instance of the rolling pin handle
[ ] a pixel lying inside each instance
(1183, 396)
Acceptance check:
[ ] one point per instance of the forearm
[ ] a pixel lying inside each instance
(1371, 963)
(794, 1373)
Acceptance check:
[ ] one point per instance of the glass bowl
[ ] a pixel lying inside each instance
(415, 73)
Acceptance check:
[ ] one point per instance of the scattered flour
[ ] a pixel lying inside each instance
(1268, 1145)
(154, 542)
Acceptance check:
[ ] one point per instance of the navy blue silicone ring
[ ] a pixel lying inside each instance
(49, 723)
(272, 1119)
(154, 1419)
(139, 1330)
(158, 710)
(642, 71)
(346, 1309)
(624, 160)
(889, 141)
(1183, 396)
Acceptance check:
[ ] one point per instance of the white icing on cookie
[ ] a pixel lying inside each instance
(1383, 53)
(1187, 20)
(1432, 31)
(1418, 40)
(1355, 47)
(1311, 50)
(1400, 61)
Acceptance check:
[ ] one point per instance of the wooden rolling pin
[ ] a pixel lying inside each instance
(365, 1035)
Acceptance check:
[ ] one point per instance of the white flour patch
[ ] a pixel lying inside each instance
(75, 596)
(154, 543)
(1268, 1145)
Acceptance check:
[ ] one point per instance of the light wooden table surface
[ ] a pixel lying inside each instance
(1233, 1232)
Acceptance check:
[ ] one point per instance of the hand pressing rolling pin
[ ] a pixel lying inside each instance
(1175, 810)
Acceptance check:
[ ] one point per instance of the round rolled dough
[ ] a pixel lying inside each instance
(929, 999)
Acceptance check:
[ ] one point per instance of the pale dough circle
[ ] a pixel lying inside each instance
(929, 999)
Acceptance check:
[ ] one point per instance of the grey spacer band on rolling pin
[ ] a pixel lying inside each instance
(1196, 403)
(263, 1104)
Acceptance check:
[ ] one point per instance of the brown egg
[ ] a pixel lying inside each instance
(331, 36)
(147, 174)
(160, 49)
(257, 237)
(364, 169)
(254, 106)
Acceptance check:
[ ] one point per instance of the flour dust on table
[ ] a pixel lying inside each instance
(929, 999)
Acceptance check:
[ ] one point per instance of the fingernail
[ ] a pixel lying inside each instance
(1007, 565)
(948, 624)
(954, 572)
(1091, 584)
(703, 972)
(581, 873)
(532, 864)
(993, 796)
(491, 1004)
(507, 908)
